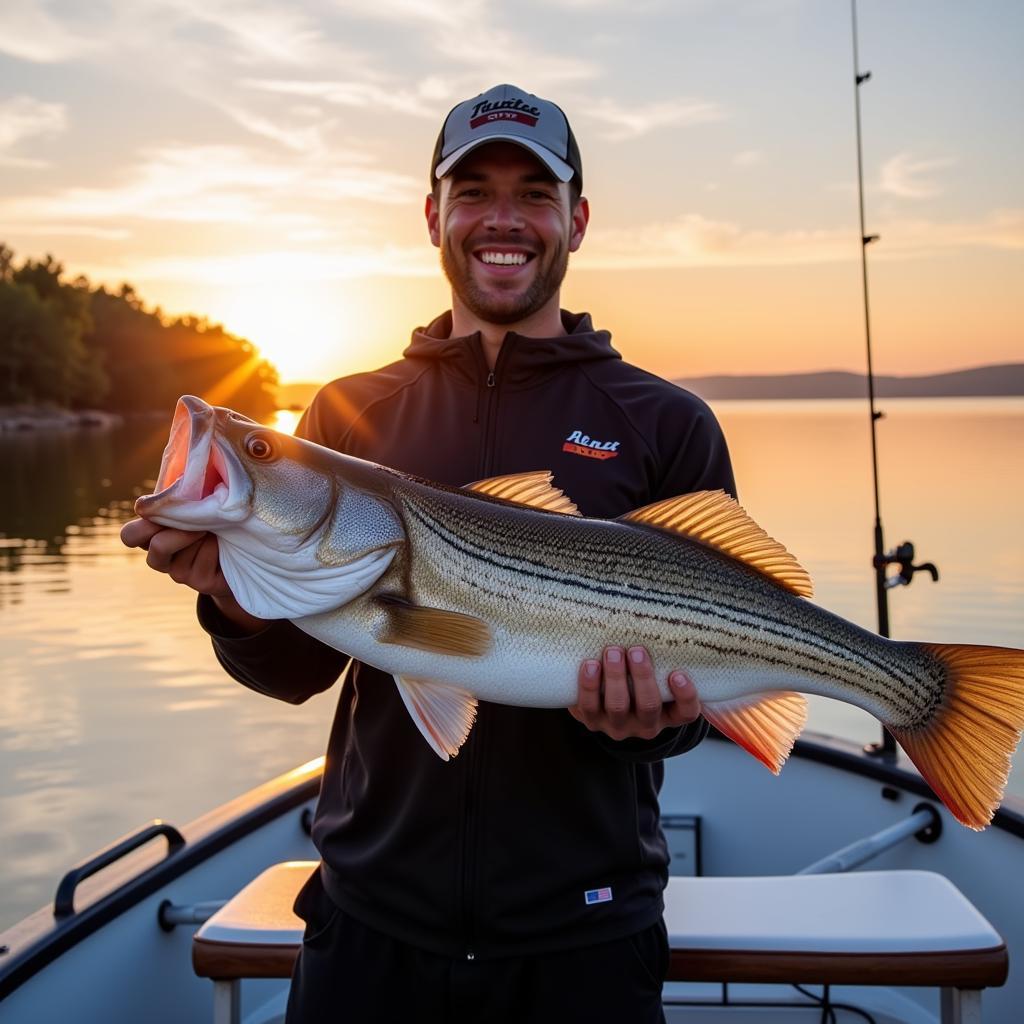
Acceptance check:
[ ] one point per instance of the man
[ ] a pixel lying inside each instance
(523, 880)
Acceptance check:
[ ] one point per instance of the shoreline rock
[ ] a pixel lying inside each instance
(26, 419)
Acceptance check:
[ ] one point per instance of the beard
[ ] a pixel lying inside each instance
(497, 306)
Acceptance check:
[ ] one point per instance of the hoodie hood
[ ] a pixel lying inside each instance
(522, 362)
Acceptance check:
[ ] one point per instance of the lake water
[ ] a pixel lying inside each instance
(113, 709)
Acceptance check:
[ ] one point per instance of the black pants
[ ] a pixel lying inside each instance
(348, 973)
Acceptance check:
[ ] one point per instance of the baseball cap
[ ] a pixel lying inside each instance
(507, 113)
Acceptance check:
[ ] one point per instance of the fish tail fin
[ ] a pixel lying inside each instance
(964, 749)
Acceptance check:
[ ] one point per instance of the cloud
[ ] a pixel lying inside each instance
(354, 94)
(696, 241)
(464, 33)
(281, 267)
(748, 158)
(258, 32)
(29, 33)
(300, 138)
(903, 176)
(622, 122)
(55, 230)
(22, 117)
(215, 184)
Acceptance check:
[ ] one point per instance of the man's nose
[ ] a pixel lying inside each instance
(503, 214)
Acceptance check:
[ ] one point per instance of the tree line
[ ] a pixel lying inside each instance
(72, 345)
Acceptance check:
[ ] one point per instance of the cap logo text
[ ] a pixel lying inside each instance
(504, 110)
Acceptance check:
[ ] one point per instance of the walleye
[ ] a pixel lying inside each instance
(499, 590)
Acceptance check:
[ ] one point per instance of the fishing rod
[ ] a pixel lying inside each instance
(903, 555)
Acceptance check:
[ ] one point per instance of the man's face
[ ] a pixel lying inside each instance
(505, 229)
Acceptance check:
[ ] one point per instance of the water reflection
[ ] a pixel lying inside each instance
(60, 482)
(64, 484)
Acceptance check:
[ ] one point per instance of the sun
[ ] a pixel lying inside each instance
(305, 330)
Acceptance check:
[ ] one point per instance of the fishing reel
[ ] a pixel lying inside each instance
(903, 556)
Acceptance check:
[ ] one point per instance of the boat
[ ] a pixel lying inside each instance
(119, 942)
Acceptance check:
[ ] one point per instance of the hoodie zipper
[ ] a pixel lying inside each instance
(473, 790)
(490, 393)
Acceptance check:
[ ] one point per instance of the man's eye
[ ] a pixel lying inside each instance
(538, 194)
(470, 193)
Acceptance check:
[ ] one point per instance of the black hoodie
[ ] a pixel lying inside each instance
(493, 853)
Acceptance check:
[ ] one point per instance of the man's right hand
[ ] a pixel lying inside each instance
(190, 558)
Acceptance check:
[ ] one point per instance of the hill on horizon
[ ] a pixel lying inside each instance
(980, 381)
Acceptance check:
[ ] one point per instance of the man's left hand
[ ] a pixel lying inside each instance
(608, 703)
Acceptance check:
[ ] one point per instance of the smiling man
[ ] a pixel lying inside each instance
(523, 880)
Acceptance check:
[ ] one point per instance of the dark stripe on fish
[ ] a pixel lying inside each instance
(834, 649)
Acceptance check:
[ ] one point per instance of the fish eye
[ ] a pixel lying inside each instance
(259, 447)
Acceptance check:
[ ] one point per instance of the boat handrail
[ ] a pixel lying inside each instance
(64, 903)
(925, 823)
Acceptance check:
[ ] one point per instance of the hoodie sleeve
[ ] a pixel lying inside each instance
(280, 661)
(667, 743)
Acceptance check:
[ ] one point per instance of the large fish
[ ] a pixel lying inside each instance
(499, 590)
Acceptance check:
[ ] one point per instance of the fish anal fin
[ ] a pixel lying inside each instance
(964, 749)
(533, 489)
(715, 519)
(765, 725)
(443, 714)
(434, 629)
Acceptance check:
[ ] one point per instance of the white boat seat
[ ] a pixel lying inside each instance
(859, 928)
(862, 928)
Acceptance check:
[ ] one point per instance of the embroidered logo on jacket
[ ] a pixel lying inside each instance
(597, 896)
(577, 443)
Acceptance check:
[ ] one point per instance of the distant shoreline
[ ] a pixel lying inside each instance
(1005, 380)
(19, 419)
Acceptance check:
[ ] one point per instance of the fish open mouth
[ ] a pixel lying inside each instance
(193, 469)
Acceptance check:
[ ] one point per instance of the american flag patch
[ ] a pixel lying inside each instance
(597, 896)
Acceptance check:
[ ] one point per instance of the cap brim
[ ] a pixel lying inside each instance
(557, 166)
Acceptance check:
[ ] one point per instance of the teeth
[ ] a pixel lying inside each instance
(508, 259)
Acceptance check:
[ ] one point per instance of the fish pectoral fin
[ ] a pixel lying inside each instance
(534, 489)
(720, 522)
(765, 725)
(434, 629)
(444, 714)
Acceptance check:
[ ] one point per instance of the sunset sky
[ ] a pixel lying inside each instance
(265, 164)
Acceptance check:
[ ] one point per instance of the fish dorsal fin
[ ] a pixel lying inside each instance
(764, 724)
(533, 489)
(715, 519)
(444, 714)
(434, 629)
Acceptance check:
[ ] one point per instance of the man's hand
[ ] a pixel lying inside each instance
(190, 558)
(621, 711)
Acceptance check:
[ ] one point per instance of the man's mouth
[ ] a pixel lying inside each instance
(502, 258)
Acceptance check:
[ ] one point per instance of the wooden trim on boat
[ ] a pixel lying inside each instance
(956, 968)
(227, 960)
(982, 968)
